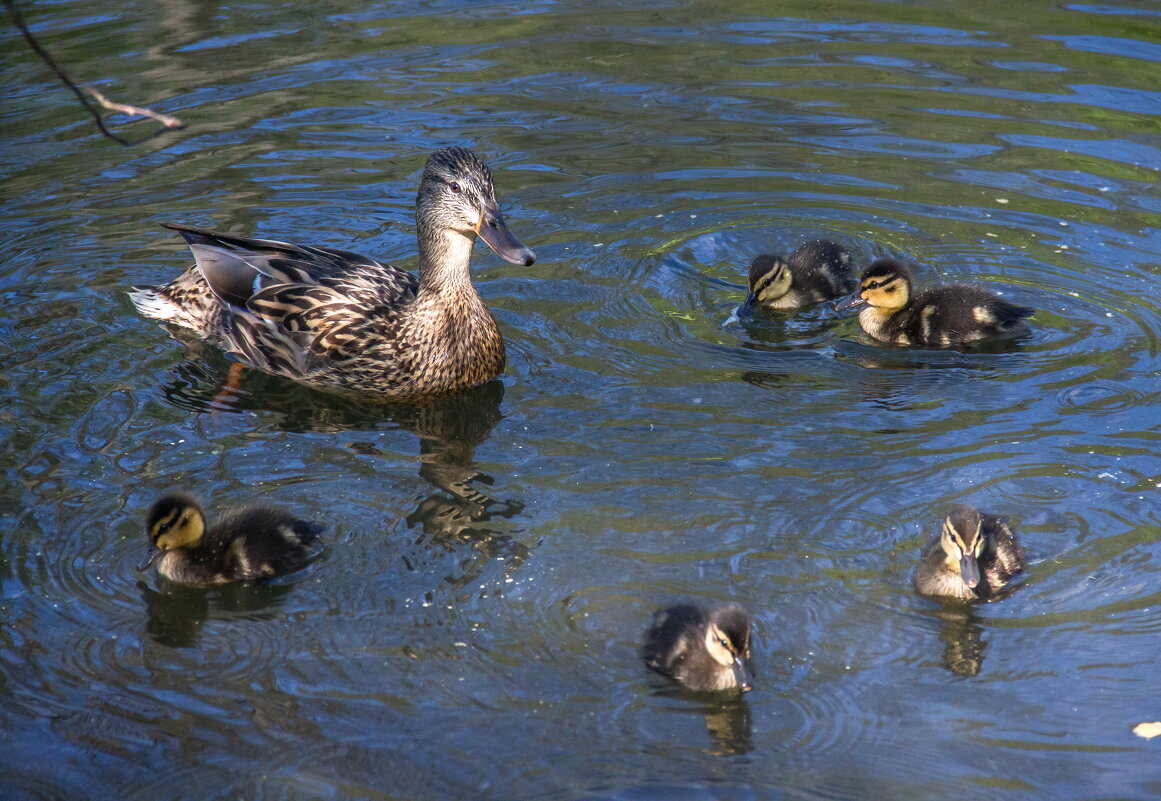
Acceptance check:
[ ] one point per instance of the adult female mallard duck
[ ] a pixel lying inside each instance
(817, 270)
(939, 317)
(332, 317)
(704, 649)
(246, 544)
(974, 557)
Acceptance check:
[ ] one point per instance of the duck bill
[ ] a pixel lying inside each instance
(154, 555)
(492, 230)
(969, 568)
(851, 301)
(742, 674)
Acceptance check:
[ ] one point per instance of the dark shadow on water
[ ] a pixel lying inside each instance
(770, 329)
(1002, 353)
(963, 639)
(727, 716)
(176, 613)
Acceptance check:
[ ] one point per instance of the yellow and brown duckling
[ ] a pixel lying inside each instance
(817, 270)
(705, 649)
(938, 317)
(334, 318)
(974, 557)
(247, 544)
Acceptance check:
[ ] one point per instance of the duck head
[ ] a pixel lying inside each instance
(727, 640)
(456, 196)
(963, 542)
(885, 285)
(175, 521)
(770, 279)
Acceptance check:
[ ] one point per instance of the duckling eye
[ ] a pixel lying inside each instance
(455, 187)
(724, 643)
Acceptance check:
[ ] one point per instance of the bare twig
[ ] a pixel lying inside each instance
(168, 123)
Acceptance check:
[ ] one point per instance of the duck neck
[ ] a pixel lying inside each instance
(445, 258)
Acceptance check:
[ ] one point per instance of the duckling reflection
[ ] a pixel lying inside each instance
(947, 316)
(704, 649)
(974, 558)
(963, 640)
(729, 724)
(176, 613)
(817, 270)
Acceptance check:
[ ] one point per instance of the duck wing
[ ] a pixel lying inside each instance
(291, 307)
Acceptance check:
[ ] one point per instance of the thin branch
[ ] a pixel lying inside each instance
(168, 123)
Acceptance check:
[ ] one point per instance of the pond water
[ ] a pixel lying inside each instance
(474, 628)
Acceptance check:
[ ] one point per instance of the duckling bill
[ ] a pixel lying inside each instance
(946, 316)
(705, 649)
(334, 318)
(817, 270)
(975, 556)
(246, 544)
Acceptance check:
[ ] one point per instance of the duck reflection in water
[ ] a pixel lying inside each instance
(963, 640)
(449, 431)
(176, 613)
(449, 428)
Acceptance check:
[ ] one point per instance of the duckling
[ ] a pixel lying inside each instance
(939, 317)
(817, 270)
(334, 318)
(974, 557)
(246, 544)
(704, 649)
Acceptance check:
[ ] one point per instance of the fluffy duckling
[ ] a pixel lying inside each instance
(704, 649)
(974, 557)
(817, 270)
(939, 317)
(334, 318)
(247, 544)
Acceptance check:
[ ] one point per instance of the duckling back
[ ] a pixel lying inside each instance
(955, 314)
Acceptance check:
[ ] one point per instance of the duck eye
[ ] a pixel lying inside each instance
(455, 187)
(724, 643)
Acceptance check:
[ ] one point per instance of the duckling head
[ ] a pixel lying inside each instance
(175, 521)
(963, 543)
(457, 199)
(727, 640)
(770, 279)
(885, 285)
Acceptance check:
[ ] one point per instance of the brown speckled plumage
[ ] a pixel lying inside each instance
(334, 318)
